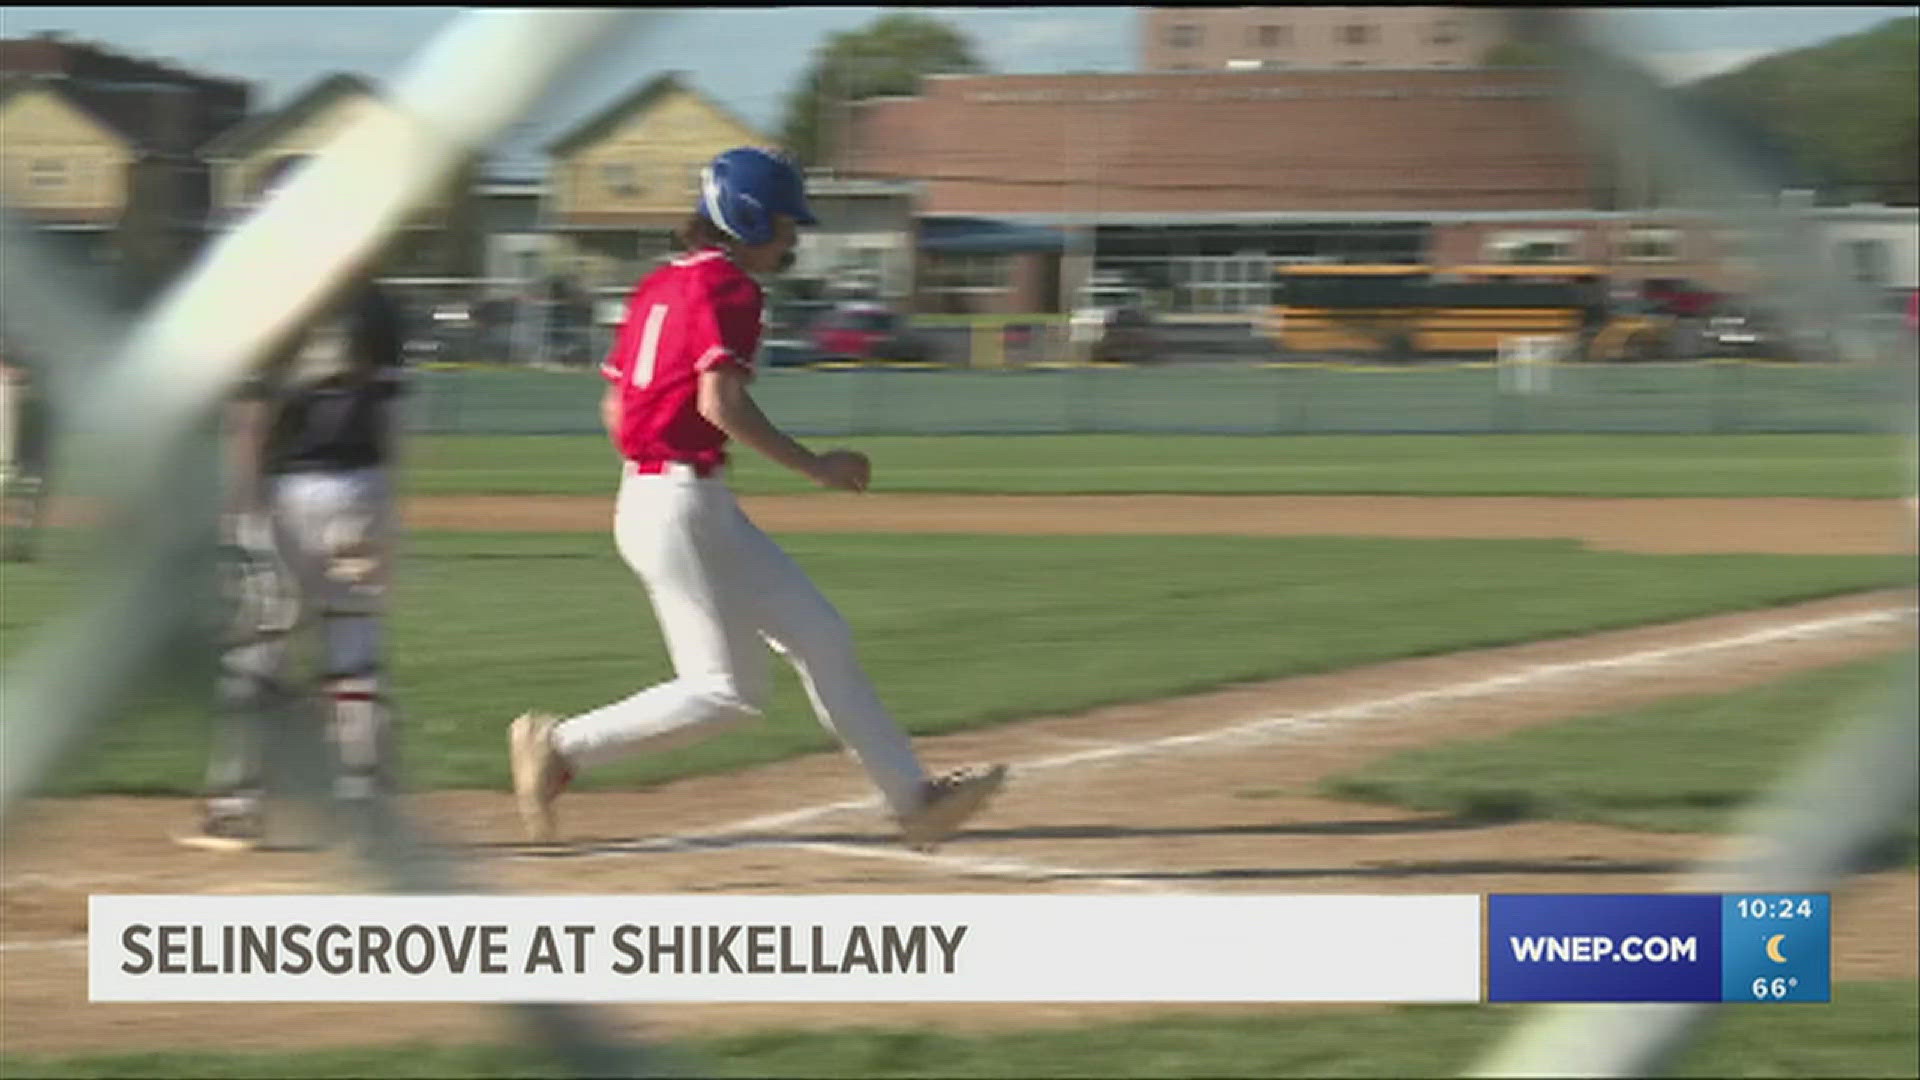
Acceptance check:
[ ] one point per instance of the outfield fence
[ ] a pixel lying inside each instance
(1681, 398)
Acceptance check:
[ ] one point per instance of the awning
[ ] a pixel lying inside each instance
(956, 236)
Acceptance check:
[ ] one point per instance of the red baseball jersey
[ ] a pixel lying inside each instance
(683, 319)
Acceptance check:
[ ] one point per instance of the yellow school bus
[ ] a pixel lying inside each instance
(1393, 311)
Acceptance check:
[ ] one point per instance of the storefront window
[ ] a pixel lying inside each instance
(1650, 245)
(968, 273)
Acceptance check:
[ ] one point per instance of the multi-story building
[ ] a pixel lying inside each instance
(103, 150)
(1257, 38)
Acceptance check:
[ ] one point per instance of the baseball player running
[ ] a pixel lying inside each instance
(722, 589)
(310, 521)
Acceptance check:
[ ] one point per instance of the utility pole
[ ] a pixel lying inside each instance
(1098, 162)
(1066, 187)
(823, 148)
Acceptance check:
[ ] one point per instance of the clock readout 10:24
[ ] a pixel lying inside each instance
(1775, 907)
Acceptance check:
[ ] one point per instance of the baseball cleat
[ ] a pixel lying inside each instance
(227, 829)
(947, 803)
(538, 773)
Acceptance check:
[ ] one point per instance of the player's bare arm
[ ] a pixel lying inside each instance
(725, 403)
(610, 412)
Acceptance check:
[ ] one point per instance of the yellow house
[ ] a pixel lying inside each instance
(59, 162)
(441, 243)
(91, 181)
(620, 182)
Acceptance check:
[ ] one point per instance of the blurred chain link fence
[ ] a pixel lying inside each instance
(1845, 798)
(205, 332)
(138, 403)
(1687, 398)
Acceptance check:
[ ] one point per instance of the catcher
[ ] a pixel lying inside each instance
(308, 533)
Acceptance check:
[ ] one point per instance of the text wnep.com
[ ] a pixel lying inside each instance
(1595, 949)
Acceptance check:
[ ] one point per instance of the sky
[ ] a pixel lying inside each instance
(748, 58)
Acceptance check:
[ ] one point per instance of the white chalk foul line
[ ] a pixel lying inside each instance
(1264, 729)
(1268, 726)
(985, 867)
(1254, 730)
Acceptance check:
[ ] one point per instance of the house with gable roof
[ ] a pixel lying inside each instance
(101, 151)
(622, 180)
(441, 242)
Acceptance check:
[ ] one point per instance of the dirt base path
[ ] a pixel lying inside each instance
(1761, 526)
(1232, 775)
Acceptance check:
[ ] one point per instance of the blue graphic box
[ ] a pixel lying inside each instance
(1577, 947)
(1776, 947)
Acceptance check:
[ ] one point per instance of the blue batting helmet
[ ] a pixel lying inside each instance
(742, 190)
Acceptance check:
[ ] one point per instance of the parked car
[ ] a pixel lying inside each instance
(1738, 333)
(868, 332)
(786, 336)
(1679, 297)
(570, 339)
(442, 333)
(1111, 324)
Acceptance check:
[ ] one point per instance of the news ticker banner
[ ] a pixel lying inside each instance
(1003, 948)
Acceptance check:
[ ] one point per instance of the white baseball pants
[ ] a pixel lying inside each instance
(724, 592)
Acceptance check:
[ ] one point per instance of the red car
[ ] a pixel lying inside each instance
(867, 332)
(1681, 299)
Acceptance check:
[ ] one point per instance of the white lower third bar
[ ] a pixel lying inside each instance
(681, 948)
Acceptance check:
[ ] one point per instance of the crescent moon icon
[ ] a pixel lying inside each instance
(1773, 948)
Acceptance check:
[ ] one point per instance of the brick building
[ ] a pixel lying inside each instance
(1267, 142)
(103, 150)
(1241, 38)
(1195, 183)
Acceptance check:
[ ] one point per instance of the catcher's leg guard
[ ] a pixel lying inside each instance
(362, 735)
(352, 593)
(359, 717)
(252, 696)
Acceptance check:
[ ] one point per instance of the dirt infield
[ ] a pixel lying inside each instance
(1232, 774)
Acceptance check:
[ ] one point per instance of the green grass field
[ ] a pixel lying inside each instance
(1868, 1031)
(1842, 466)
(485, 626)
(1681, 765)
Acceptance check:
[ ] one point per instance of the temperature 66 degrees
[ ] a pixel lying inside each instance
(1773, 989)
(1784, 907)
